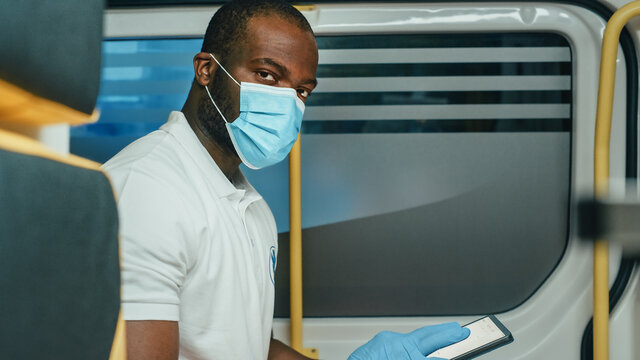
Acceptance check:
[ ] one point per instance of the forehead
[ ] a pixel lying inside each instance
(280, 40)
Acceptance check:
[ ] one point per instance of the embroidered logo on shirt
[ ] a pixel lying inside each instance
(272, 264)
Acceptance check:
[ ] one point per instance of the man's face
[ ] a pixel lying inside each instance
(276, 53)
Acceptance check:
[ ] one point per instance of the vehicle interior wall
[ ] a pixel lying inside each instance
(442, 156)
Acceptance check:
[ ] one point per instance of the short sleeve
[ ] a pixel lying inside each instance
(154, 234)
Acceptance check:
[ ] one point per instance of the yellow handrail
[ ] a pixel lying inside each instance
(295, 253)
(601, 172)
(295, 244)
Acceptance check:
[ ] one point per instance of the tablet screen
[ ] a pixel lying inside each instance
(483, 332)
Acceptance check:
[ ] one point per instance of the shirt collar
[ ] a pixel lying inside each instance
(179, 128)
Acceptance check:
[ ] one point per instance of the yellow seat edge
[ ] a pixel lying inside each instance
(119, 347)
(18, 105)
(21, 144)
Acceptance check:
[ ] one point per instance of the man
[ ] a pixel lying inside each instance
(197, 240)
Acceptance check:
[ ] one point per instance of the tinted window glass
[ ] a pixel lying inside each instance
(428, 161)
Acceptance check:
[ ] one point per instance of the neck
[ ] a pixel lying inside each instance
(228, 163)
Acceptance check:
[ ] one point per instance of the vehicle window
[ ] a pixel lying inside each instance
(428, 160)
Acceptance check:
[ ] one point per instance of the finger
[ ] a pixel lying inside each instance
(430, 330)
(417, 355)
(431, 338)
(434, 329)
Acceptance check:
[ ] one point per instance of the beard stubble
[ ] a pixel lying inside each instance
(212, 123)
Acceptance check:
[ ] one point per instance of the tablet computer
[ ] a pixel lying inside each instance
(487, 334)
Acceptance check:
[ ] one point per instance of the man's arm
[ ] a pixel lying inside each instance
(280, 351)
(152, 340)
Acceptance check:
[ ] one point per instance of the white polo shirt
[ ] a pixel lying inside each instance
(195, 248)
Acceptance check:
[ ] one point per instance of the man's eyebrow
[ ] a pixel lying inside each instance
(282, 69)
(268, 61)
(313, 82)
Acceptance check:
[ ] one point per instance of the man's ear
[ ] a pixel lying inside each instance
(204, 68)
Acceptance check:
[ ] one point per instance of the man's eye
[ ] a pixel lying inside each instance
(303, 93)
(266, 76)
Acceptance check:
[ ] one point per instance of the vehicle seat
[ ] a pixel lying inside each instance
(59, 257)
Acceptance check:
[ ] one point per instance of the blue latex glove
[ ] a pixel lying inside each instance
(415, 345)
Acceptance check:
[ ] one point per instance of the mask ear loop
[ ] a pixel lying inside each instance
(214, 104)
(223, 69)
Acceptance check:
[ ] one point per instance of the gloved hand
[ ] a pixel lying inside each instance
(415, 345)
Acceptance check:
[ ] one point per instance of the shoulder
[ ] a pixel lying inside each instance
(154, 158)
(153, 187)
(155, 173)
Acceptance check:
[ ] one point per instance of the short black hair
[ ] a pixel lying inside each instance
(227, 26)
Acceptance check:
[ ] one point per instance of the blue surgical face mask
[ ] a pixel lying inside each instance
(268, 124)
